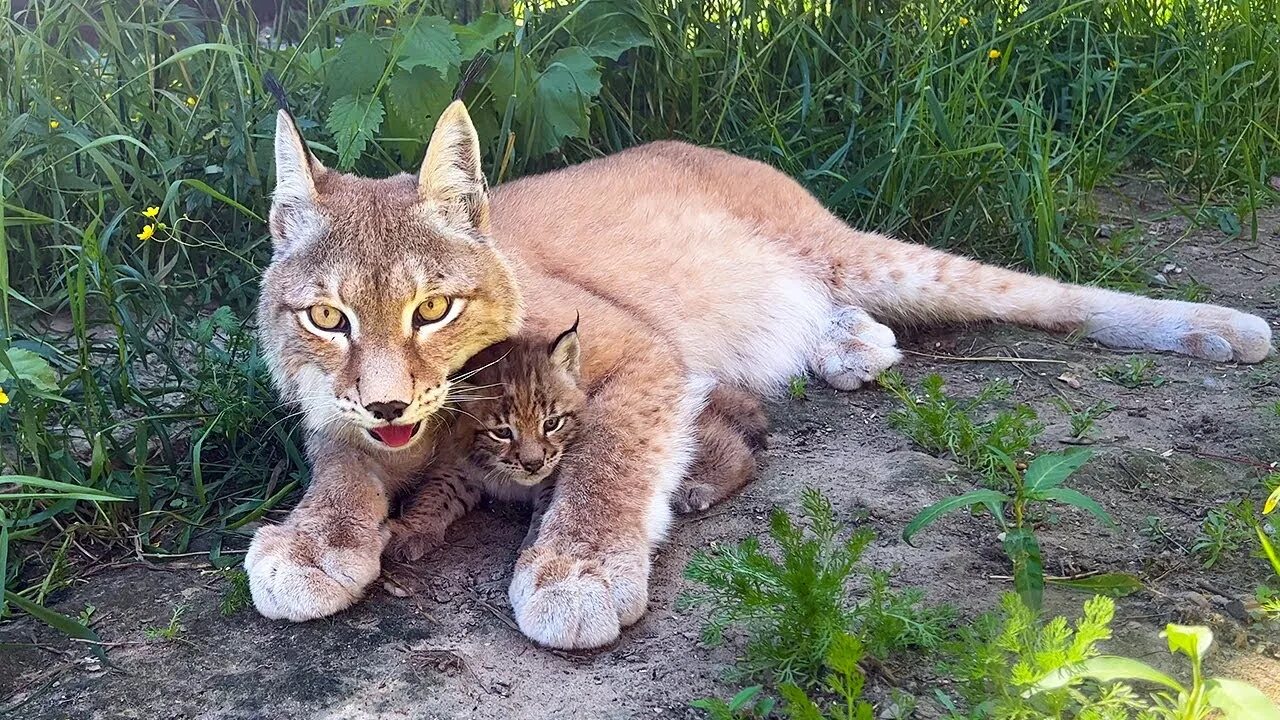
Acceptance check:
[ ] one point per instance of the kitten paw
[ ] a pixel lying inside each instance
(410, 544)
(694, 497)
(573, 603)
(298, 575)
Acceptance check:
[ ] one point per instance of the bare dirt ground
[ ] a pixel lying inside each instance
(1202, 437)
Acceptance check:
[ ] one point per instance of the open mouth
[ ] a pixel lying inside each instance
(395, 436)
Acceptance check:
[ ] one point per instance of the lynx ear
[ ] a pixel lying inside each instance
(451, 177)
(294, 218)
(565, 350)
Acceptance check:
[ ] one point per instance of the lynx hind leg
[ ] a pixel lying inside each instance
(853, 350)
(724, 463)
(742, 410)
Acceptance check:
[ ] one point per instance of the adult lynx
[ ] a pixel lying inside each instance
(692, 267)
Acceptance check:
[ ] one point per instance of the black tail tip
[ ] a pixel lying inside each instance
(273, 86)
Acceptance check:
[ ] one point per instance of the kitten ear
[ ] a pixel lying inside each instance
(565, 350)
(451, 177)
(294, 217)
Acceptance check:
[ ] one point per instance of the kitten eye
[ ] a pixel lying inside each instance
(553, 423)
(433, 309)
(328, 318)
(501, 434)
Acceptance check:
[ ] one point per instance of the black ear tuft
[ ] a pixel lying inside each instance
(474, 69)
(273, 86)
(551, 347)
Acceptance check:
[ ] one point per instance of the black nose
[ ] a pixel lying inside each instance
(387, 411)
(531, 465)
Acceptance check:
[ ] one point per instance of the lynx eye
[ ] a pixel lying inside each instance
(553, 423)
(328, 318)
(501, 434)
(433, 309)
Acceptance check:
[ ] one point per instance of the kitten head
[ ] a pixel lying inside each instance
(379, 289)
(531, 406)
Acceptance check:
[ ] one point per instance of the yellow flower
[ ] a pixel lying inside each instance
(191, 102)
(54, 124)
(963, 21)
(4, 397)
(151, 211)
(993, 54)
(147, 232)
(1271, 502)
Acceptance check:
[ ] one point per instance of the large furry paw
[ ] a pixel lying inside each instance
(1209, 332)
(854, 350)
(298, 575)
(574, 603)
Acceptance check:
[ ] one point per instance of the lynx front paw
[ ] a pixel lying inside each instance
(574, 604)
(296, 575)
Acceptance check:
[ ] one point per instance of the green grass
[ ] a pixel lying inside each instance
(152, 404)
(1136, 373)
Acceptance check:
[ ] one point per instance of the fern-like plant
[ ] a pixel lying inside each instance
(793, 604)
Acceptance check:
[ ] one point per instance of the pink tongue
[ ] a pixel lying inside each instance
(394, 435)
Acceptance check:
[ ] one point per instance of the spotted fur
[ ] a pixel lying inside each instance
(693, 267)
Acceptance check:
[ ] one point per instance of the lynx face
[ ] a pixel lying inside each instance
(380, 289)
(530, 411)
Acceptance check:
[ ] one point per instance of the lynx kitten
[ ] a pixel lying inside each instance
(521, 416)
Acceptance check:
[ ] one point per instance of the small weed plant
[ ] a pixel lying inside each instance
(942, 424)
(1012, 489)
(794, 604)
(171, 632)
(1012, 666)
(1136, 373)
(1082, 421)
(1225, 531)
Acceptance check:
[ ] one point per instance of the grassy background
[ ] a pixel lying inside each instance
(132, 377)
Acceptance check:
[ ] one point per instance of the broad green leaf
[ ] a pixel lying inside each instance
(59, 622)
(1190, 640)
(1050, 469)
(353, 121)
(1268, 549)
(1078, 499)
(744, 696)
(415, 98)
(481, 34)
(611, 39)
(1104, 669)
(930, 514)
(1239, 700)
(1109, 584)
(562, 98)
(431, 43)
(356, 67)
(1023, 549)
(60, 488)
(608, 28)
(31, 368)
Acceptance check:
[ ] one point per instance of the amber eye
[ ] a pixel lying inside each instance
(328, 317)
(433, 309)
